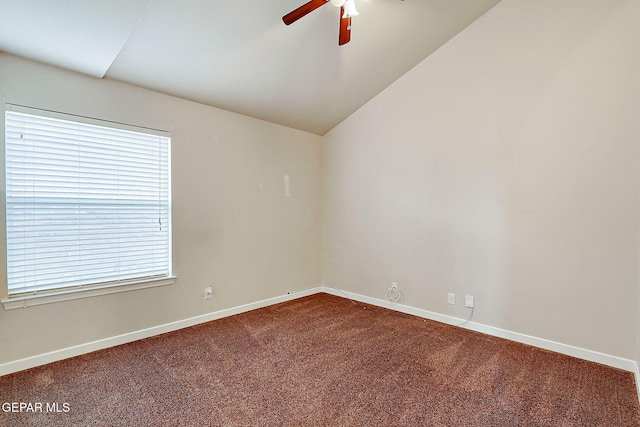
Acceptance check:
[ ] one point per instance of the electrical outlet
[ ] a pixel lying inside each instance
(468, 301)
(451, 298)
(208, 292)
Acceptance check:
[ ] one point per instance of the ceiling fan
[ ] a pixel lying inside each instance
(347, 11)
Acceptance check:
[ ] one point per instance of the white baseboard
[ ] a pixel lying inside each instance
(636, 374)
(593, 356)
(581, 353)
(65, 353)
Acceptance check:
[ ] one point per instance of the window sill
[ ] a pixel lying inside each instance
(25, 301)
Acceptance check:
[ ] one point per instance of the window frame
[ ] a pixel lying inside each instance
(24, 300)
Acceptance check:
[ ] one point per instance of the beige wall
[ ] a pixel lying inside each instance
(233, 228)
(504, 166)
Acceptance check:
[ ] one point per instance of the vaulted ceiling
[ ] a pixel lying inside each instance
(238, 54)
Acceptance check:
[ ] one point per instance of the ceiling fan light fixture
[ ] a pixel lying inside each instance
(338, 3)
(350, 9)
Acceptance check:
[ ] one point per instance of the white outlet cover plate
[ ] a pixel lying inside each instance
(468, 301)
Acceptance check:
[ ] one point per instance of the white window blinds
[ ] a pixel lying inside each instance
(87, 203)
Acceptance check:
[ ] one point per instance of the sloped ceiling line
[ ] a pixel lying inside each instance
(126, 40)
(238, 55)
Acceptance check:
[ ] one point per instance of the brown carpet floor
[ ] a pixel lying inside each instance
(323, 360)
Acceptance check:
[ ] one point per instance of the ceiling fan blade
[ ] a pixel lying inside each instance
(345, 29)
(303, 10)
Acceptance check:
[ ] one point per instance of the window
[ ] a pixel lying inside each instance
(87, 206)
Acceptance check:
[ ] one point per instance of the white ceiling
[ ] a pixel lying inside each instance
(238, 54)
